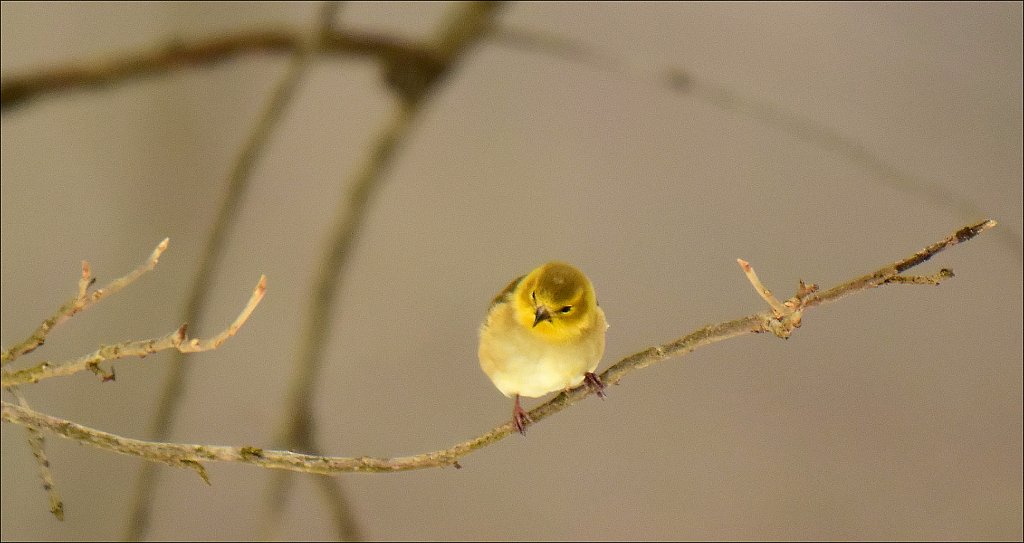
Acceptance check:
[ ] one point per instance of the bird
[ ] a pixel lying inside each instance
(543, 332)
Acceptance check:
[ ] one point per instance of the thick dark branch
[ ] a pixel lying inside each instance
(177, 54)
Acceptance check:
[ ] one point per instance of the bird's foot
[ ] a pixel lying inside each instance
(594, 383)
(520, 417)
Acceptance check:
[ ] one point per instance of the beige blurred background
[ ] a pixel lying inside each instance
(895, 414)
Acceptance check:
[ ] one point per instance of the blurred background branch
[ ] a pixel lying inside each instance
(303, 50)
(411, 82)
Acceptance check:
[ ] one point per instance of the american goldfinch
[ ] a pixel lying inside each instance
(544, 332)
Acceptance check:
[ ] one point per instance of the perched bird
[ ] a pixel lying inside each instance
(544, 332)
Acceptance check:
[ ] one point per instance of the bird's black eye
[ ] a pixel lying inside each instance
(533, 296)
(566, 309)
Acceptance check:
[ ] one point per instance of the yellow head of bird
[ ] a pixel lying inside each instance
(556, 301)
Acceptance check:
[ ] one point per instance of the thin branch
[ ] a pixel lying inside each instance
(90, 362)
(763, 291)
(933, 279)
(37, 445)
(193, 456)
(198, 345)
(886, 275)
(786, 316)
(141, 348)
(82, 301)
(305, 46)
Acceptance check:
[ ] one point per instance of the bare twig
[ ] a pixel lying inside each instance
(197, 345)
(46, 370)
(886, 275)
(786, 316)
(194, 455)
(763, 291)
(38, 446)
(82, 301)
(142, 348)
(933, 279)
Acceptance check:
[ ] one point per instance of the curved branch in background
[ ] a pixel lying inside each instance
(412, 80)
(781, 319)
(807, 130)
(304, 48)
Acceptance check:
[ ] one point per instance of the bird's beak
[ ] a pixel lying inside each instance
(541, 315)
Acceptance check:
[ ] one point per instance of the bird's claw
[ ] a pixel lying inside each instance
(594, 383)
(520, 417)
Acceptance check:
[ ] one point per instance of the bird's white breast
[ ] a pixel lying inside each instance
(522, 362)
